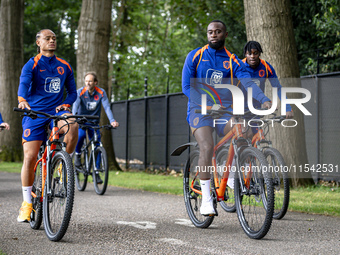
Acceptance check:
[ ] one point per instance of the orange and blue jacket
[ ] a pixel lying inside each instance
(87, 104)
(260, 74)
(42, 83)
(205, 67)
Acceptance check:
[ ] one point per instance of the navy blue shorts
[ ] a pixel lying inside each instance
(34, 130)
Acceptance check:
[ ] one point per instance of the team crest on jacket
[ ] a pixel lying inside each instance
(226, 64)
(96, 97)
(60, 70)
(261, 73)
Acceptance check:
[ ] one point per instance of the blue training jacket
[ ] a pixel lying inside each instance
(213, 67)
(42, 83)
(87, 104)
(260, 74)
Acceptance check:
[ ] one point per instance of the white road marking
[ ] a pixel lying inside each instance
(184, 222)
(173, 241)
(139, 224)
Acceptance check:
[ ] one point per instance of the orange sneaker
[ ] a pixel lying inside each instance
(25, 212)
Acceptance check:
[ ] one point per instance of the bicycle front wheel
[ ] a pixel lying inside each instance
(101, 173)
(280, 181)
(58, 204)
(229, 199)
(36, 214)
(254, 194)
(81, 173)
(192, 199)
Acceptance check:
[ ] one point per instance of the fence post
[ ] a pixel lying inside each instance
(145, 123)
(127, 134)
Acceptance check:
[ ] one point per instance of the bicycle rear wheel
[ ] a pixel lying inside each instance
(36, 214)
(57, 206)
(80, 172)
(254, 203)
(101, 175)
(193, 200)
(229, 199)
(280, 181)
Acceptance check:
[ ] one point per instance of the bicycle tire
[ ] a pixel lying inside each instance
(57, 207)
(36, 214)
(81, 174)
(280, 182)
(228, 204)
(192, 199)
(254, 217)
(102, 171)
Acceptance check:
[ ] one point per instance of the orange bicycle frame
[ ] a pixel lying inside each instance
(54, 136)
(221, 187)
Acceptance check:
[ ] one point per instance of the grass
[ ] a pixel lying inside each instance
(318, 199)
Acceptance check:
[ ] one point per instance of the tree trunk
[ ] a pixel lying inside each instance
(270, 23)
(92, 54)
(11, 62)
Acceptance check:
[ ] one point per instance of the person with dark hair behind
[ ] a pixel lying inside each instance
(260, 70)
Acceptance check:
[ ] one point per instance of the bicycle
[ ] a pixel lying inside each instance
(254, 195)
(53, 187)
(277, 163)
(97, 160)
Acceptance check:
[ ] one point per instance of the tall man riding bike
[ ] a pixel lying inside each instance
(42, 83)
(204, 69)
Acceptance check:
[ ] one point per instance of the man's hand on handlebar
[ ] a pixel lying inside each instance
(267, 105)
(62, 108)
(24, 105)
(114, 124)
(289, 115)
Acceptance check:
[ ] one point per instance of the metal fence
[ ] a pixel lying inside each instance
(152, 127)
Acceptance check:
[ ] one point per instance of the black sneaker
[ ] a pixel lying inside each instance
(77, 161)
(99, 180)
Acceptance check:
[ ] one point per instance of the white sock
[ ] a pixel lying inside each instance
(26, 193)
(205, 186)
(230, 181)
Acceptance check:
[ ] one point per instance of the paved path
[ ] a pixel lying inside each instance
(126, 221)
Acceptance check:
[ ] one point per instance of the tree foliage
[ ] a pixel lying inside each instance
(61, 16)
(316, 27)
(154, 37)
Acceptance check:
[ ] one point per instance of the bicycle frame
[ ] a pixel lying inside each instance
(51, 146)
(91, 143)
(220, 187)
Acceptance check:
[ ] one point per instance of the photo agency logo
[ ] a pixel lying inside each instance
(238, 108)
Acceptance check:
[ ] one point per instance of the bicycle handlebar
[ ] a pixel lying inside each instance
(211, 112)
(108, 126)
(34, 114)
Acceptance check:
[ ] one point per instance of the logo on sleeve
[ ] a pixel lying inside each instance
(52, 85)
(60, 70)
